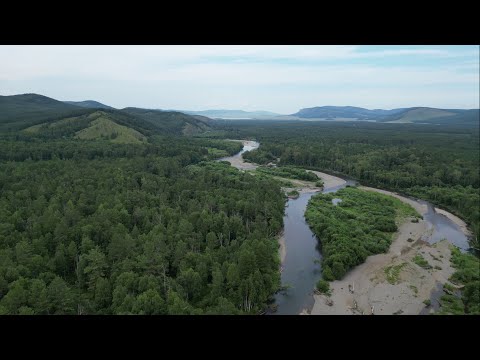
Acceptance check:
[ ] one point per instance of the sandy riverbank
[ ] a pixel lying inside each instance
(412, 285)
(303, 186)
(237, 160)
(328, 180)
(456, 220)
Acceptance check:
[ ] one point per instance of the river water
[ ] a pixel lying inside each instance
(237, 160)
(301, 268)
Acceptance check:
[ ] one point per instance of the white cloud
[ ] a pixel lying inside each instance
(277, 78)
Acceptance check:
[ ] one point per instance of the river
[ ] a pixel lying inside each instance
(237, 160)
(301, 268)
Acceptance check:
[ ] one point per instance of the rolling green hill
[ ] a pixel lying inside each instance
(40, 116)
(20, 111)
(103, 127)
(421, 114)
(99, 125)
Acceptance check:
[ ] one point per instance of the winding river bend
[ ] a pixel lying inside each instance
(301, 267)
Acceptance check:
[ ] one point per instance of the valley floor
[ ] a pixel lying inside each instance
(390, 283)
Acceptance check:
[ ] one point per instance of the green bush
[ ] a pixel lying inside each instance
(323, 286)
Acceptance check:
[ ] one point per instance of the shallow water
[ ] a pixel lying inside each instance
(252, 146)
(444, 228)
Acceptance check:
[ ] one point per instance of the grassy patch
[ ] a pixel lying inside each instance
(294, 194)
(414, 289)
(323, 286)
(427, 302)
(393, 272)
(420, 261)
(102, 128)
(449, 287)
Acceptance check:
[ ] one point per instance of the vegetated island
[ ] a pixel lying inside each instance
(392, 269)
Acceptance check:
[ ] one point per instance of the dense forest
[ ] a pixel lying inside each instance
(435, 163)
(136, 235)
(361, 223)
(115, 212)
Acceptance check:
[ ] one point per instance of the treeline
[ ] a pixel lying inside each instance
(90, 227)
(21, 148)
(360, 225)
(289, 172)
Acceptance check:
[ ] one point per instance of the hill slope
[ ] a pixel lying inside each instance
(419, 114)
(19, 111)
(96, 124)
(91, 104)
(103, 127)
(171, 122)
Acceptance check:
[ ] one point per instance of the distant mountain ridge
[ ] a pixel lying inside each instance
(232, 114)
(19, 112)
(41, 116)
(91, 104)
(401, 115)
(344, 112)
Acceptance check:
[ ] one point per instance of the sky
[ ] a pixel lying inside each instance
(278, 78)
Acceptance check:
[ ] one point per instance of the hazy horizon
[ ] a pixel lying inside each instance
(280, 79)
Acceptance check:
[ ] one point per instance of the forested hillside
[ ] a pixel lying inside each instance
(105, 212)
(170, 122)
